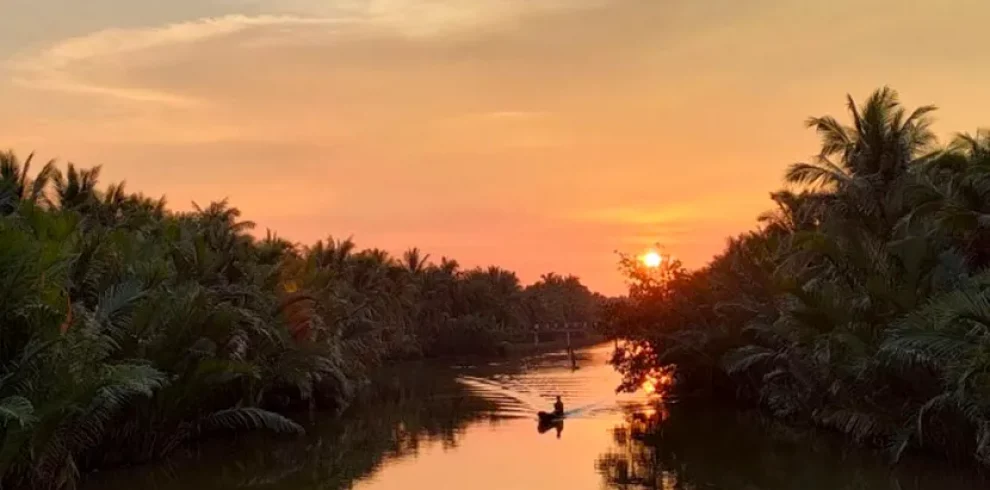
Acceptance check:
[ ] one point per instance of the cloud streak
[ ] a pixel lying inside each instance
(54, 67)
(422, 17)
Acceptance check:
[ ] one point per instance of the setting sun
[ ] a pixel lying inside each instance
(652, 259)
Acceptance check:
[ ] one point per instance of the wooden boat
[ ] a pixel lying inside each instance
(549, 417)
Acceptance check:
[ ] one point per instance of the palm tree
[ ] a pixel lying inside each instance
(881, 146)
(333, 254)
(795, 211)
(415, 261)
(222, 219)
(882, 143)
(16, 187)
(76, 189)
(953, 193)
(860, 306)
(129, 330)
(449, 266)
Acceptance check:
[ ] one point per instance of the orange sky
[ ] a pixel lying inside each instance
(539, 135)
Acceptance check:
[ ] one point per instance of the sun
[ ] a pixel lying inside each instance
(652, 259)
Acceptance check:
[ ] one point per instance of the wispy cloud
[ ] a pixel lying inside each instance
(54, 67)
(61, 82)
(59, 67)
(422, 17)
(515, 114)
(120, 41)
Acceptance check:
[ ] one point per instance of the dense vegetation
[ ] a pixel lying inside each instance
(127, 330)
(686, 446)
(862, 303)
(405, 409)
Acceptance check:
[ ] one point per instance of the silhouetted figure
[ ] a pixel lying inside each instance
(550, 419)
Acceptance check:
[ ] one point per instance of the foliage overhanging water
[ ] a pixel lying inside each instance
(434, 427)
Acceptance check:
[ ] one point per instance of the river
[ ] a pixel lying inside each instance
(474, 427)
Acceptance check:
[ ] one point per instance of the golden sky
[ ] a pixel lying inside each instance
(540, 135)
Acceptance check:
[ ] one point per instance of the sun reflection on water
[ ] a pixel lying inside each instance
(657, 384)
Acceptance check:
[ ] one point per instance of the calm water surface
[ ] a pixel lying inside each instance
(474, 427)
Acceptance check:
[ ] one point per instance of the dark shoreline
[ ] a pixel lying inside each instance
(703, 433)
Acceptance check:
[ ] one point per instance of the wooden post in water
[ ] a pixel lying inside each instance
(570, 350)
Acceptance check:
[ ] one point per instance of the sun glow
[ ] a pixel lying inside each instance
(652, 259)
(657, 383)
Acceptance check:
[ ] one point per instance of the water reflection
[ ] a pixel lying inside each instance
(409, 409)
(557, 425)
(691, 448)
(471, 427)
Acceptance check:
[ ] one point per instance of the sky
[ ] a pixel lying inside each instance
(539, 135)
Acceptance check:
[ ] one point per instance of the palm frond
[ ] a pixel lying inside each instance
(249, 418)
(746, 358)
(16, 409)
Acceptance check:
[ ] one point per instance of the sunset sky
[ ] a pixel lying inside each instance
(540, 135)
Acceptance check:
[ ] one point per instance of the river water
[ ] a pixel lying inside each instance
(474, 427)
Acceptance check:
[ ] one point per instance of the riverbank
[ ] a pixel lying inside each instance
(402, 408)
(520, 349)
(130, 330)
(860, 304)
(719, 447)
(854, 430)
(392, 393)
(431, 426)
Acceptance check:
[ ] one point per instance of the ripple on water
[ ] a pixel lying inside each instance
(429, 435)
(587, 392)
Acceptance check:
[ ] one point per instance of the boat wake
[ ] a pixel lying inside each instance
(587, 392)
(519, 399)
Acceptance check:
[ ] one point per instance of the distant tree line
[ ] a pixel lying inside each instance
(127, 330)
(861, 304)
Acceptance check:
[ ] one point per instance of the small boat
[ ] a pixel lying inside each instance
(549, 418)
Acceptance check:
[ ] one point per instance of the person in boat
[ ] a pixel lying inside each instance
(558, 407)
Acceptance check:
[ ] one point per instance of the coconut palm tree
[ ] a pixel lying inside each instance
(449, 266)
(76, 188)
(882, 143)
(860, 306)
(415, 261)
(865, 162)
(16, 186)
(130, 330)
